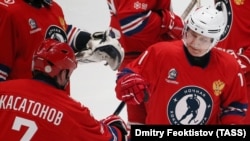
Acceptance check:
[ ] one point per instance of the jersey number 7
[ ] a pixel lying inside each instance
(32, 127)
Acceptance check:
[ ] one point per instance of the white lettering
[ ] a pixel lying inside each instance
(44, 111)
(189, 132)
(151, 132)
(58, 118)
(34, 108)
(16, 100)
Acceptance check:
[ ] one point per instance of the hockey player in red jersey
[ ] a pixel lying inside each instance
(26, 23)
(142, 23)
(39, 109)
(236, 38)
(187, 82)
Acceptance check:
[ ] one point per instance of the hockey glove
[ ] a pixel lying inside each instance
(132, 89)
(102, 47)
(171, 24)
(116, 121)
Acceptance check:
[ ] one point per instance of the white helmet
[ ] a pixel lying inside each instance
(208, 22)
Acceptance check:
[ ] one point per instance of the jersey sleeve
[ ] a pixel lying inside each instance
(242, 55)
(77, 38)
(86, 126)
(234, 100)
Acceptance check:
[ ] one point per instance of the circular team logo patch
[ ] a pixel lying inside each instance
(57, 33)
(226, 7)
(190, 106)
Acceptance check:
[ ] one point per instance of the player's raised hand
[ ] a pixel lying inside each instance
(132, 89)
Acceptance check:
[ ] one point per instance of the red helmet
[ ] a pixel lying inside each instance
(53, 56)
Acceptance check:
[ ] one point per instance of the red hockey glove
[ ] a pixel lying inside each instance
(173, 24)
(116, 121)
(132, 89)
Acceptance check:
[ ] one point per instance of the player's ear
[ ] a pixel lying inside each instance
(63, 77)
(67, 76)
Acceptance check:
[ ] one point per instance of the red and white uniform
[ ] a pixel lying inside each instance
(185, 94)
(28, 114)
(142, 23)
(22, 28)
(236, 39)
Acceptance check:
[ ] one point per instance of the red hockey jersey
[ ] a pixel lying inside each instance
(142, 23)
(40, 112)
(236, 37)
(22, 33)
(237, 33)
(183, 94)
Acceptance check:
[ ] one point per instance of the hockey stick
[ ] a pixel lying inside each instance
(122, 104)
(119, 108)
(189, 8)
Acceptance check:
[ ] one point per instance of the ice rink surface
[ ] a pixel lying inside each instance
(93, 84)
